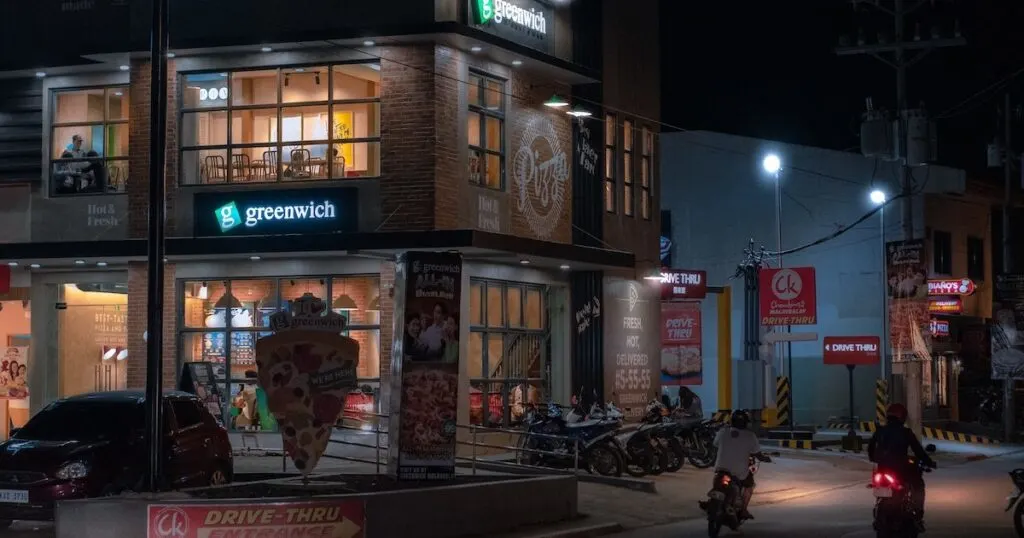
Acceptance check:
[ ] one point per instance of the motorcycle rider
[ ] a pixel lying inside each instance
(888, 448)
(735, 446)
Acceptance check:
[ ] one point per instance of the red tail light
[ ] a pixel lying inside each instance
(726, 480)
(886, 479)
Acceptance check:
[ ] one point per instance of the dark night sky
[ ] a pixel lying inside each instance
(767, 69)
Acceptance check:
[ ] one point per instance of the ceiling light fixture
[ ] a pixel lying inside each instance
(368, 43)
(579, 112)
(266, 49)
(40, 74)
(524, 262)
(170, 55)
(79, 262)
(12, 264)
(564, 267)
(476, 48)
(35, 266)
(101, 264)
(124, 68)
(517, 62)
(556, 101)
(255, 258)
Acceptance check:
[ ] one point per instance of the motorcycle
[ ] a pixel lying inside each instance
(640, 450)
(697, 436)
(553, 440)
(894, 508)
(1014, 501)
(725, 499)
(666, 432)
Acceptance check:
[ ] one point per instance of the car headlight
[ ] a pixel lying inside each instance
(74, 469)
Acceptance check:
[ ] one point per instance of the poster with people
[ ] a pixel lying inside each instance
(428, 292)
(14, 373)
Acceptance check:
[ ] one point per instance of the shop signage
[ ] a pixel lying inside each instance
(276, 212)
(956, 286)
(632, 347)
(307, 368)
(213, 94)
(946, 305)
(681, 361)
(939, 327)
(852, 350)
(541, 173)
(683, 284)
(788, 296)
(425, 380)
(337, 518)
(528, 22)
(905, 267)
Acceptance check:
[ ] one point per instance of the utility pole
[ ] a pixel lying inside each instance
(1009, 383)
(901, 54)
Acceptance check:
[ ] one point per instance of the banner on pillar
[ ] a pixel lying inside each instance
(425, 366)
(681, 361)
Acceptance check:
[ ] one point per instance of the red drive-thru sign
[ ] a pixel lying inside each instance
(852, 350)
(788, 296)
(953, 286)
(683, 284)
(304, 519)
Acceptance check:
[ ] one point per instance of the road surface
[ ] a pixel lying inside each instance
(964, 500)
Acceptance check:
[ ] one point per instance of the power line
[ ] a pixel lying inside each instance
(993, 88)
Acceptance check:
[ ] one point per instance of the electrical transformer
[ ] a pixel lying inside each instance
(876, 135)
(922, 139)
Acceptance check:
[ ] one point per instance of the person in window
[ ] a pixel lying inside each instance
(414, 349)
(94, 174)
(75, 147)
(433, 336)
(451, 339)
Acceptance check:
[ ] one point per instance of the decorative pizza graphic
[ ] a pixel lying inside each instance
(306, 375)
(429, 405)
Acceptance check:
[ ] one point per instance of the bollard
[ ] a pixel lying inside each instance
(472, 432)
(783, 402)
(881, 400)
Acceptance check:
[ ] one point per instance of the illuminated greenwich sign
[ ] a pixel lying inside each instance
(229, 217)
(506, 12)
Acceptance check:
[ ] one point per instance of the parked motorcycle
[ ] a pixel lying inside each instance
(894, 508)
(697, 436)
(725, 500)
(641, 452)
(666, 432)
(568, 442)
(1015, 501)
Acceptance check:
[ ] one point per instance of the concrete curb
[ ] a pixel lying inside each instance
(582, 532)
(635, 484)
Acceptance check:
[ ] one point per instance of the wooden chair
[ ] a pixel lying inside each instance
(299, 164)
(216, 169)
(266, 168)
(339, 167)
(241, 167)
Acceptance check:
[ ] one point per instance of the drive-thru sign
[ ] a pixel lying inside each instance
(852, 350)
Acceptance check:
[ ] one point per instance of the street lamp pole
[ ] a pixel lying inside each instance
(878, 198)
(773, 166)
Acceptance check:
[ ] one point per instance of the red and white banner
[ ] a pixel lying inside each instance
(336, 519)
(680, 324)
(682, 362)
(788, 296)
(951, 286)
(683, 284)
(852, 350)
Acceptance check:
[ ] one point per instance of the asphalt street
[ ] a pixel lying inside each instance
(964, 499)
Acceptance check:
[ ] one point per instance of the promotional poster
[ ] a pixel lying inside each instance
(425, 372)
(632, 361)
(681, 361)
(307, 369)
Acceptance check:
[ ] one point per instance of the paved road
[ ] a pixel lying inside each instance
(963, 500)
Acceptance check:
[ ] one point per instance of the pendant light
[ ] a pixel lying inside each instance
(556, 101)
(204, 292)
(344, 301)
(374, 304)
(228, 301)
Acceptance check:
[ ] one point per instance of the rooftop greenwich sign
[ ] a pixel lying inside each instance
(528, 22)
(286, 211)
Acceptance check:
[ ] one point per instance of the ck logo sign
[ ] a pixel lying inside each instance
(786, 285)
(170, 522)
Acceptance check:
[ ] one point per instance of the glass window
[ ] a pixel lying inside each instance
(976, 259)
(646, 172)
(507, 357)
(89, 141)
(610, 162)
(92, 339)
(224, 319)
(288, 124)
(627, 168)
(186, 413)
(485, 128)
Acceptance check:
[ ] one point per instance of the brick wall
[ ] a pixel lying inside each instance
(450, 171)
(387, 319)
(138, 308)
(138, 148)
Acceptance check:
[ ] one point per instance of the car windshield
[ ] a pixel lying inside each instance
(83, 421)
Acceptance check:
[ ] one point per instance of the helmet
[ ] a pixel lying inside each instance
(896, 411)
(740, 419)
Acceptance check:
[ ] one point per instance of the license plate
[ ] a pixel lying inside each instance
(883, 493)
(13, 496)
(717, 495)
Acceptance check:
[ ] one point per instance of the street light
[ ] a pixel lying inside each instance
(771, 163)
(878, 198)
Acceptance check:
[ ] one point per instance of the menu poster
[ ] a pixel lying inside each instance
(681, 361)
(14, 374)
(632, 347)
(198, 378)
(425, 366)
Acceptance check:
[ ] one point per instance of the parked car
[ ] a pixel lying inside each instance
(93, 445)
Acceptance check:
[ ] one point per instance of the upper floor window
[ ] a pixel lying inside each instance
(610, 162)
(942, 252)
(976, 259)
(646, 172)
(89, 141)
(627, 168)
(485, 125)
(287, 124)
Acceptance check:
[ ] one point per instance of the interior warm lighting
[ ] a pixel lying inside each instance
(556, 101)
(580, 112)
(109, 354)
(228, 301)
(204, 292)
(374, 305)
(122, 355)
(344, 302)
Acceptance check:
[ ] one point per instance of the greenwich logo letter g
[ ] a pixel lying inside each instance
(228, 217)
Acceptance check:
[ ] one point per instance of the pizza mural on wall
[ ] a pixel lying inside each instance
(307, 369)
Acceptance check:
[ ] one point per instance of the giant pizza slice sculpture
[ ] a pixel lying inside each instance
(307, 368)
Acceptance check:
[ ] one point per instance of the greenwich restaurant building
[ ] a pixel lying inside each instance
(306, 147)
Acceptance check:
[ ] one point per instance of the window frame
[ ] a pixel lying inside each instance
(485, 113)
(611, 165)
(942, 259)
(105, 123)
(646, 171)
(628, 183)
(976, 258)
(506, 330)
(279, 106)
(225, 384)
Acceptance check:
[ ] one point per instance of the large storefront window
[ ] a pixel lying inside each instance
(89, 141)
(92, 332)
(224, 318)
(509, 346)
(289, 124)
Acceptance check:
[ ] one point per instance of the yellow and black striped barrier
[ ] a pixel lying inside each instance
(783, 401)
(861, 426)
(881, 399)
(944, 435)
(800, 444)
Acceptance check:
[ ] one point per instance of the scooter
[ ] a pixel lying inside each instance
(894, 510)
(725, 499)
(1015, 501)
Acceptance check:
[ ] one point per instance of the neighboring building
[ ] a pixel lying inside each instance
(304, 151)
(719, 198)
